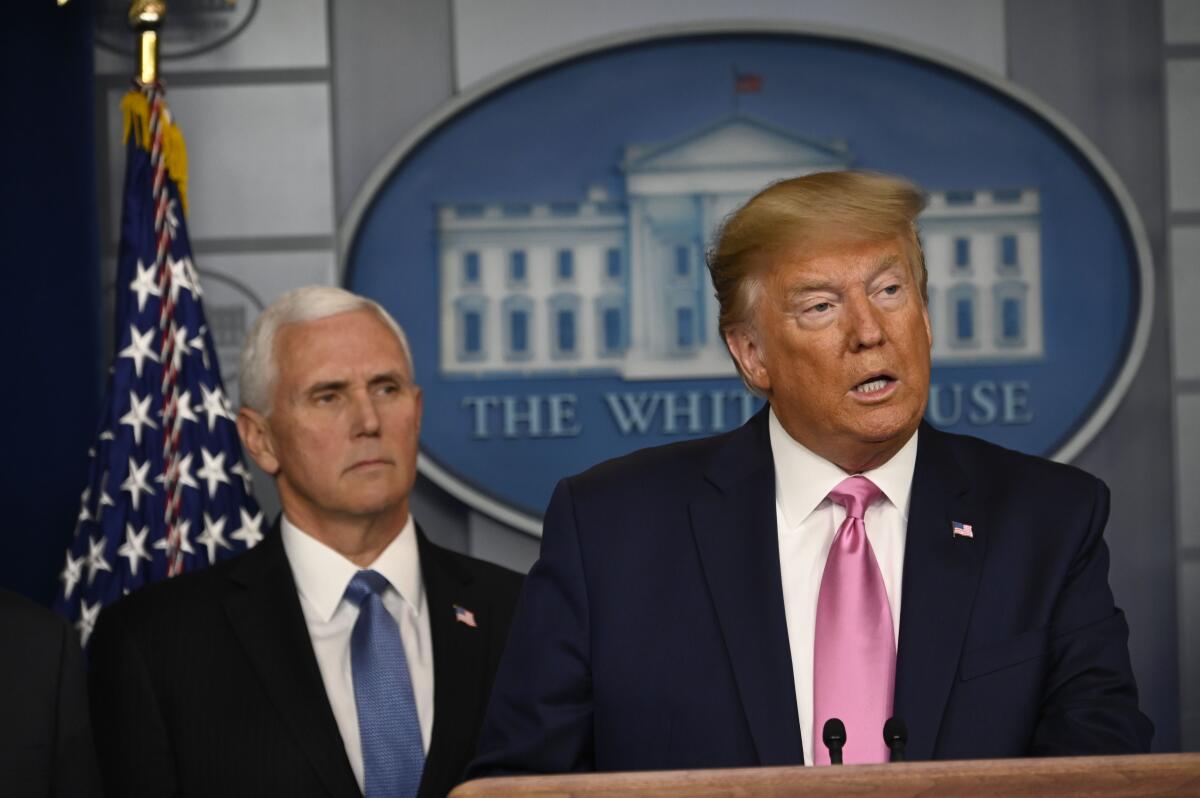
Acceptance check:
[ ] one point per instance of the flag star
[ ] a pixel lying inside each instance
(181, 349)
(107, 435)
(182, 528)
(172, 219)
(215, 405)
(95, 558)
(139, 348)
(84, 500)
(71, 573)
(240, 469)
(213, 470)
(135, 483)
(91, 451)
(138, 416)
(145, 284)
(184, 473)
(213, 537)
(88, 613)
(182, 278)
(199, 344)
(105, 499)
(183, 408)
(134, 547)
(250, 531)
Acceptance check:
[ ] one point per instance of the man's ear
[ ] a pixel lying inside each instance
(743, 345)
(256, 437)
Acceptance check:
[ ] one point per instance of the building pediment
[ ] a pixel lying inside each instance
(736, 143)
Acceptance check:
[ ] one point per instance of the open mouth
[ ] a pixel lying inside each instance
(874, 384)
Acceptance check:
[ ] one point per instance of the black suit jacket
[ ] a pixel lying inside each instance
(651, 633)
(45, 737)
(207, 685)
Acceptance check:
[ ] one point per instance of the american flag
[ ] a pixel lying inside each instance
(167, 487)
(464, 615)
(962, 530)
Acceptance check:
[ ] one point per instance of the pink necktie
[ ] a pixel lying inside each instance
(854, 661)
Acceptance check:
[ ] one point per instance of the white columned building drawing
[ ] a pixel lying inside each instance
(601, 285)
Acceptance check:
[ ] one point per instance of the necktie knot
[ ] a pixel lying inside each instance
(856, 494)
(364, 584)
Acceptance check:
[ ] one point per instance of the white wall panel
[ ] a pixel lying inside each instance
(282, 34)
(1187, 420)
(259, 159)
(1189, 649)
(1181, 21)
(1185, 299)
(491, 36)
(1183, 131)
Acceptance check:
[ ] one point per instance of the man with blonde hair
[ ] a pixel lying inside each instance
(834, 570)
(346, 654)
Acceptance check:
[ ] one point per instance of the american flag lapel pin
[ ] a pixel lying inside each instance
(465, 616)
(962, 530)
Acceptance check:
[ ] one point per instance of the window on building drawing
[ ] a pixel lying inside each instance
(961, 301)
(612, 265)
(1009, 254)
(566, 265)
(518, 271)
(518, 321)
(1010, 301)
(564, 325)
(470, 268)
(470, 339)
(610, 316)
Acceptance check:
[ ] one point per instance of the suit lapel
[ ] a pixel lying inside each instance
(460, 654)
(737, 538)
(264, 610)
(941, 573)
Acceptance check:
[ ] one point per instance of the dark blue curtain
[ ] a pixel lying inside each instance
(49, 284)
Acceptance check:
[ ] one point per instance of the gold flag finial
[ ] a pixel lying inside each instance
(146, 17)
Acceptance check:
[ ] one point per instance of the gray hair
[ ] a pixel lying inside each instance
(258, 368)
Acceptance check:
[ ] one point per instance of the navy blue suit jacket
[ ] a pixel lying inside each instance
(651, 633)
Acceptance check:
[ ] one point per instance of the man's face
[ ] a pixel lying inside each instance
(840, 345)
(341, 437)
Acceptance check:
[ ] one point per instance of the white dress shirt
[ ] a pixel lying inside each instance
(807, 523)
(322, 576)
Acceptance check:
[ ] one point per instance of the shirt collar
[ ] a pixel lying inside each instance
(322, 574)
(803, 478)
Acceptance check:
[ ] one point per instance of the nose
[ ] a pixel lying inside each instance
(366, 415)
(863, 328)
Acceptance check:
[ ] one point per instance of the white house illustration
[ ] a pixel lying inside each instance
(601, 285)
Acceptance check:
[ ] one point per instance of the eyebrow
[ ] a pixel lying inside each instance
(798, 290)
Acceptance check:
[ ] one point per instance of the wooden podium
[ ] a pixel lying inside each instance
(1151, 774)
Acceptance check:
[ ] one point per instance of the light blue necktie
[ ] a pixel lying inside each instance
(388, 727)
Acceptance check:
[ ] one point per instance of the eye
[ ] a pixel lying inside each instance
(892, 289)
(820, 307)
(324, 398)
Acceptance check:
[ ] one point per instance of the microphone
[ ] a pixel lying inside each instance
(895, 735)
(833, 733)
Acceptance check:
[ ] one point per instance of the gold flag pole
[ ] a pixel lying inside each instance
(146, 17)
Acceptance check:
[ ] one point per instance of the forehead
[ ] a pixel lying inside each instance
(338, 347)
(835, 263)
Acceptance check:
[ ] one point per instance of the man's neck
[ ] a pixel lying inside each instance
(360, 539)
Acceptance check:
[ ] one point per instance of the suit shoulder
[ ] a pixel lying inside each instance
(192, 591)
(492, 576)
(656, 465)
(28, 622)
(1018, 469)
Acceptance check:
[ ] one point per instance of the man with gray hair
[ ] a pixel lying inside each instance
(346, 654)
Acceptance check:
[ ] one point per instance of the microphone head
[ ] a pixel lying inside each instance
(833, 733)
(894, 731)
